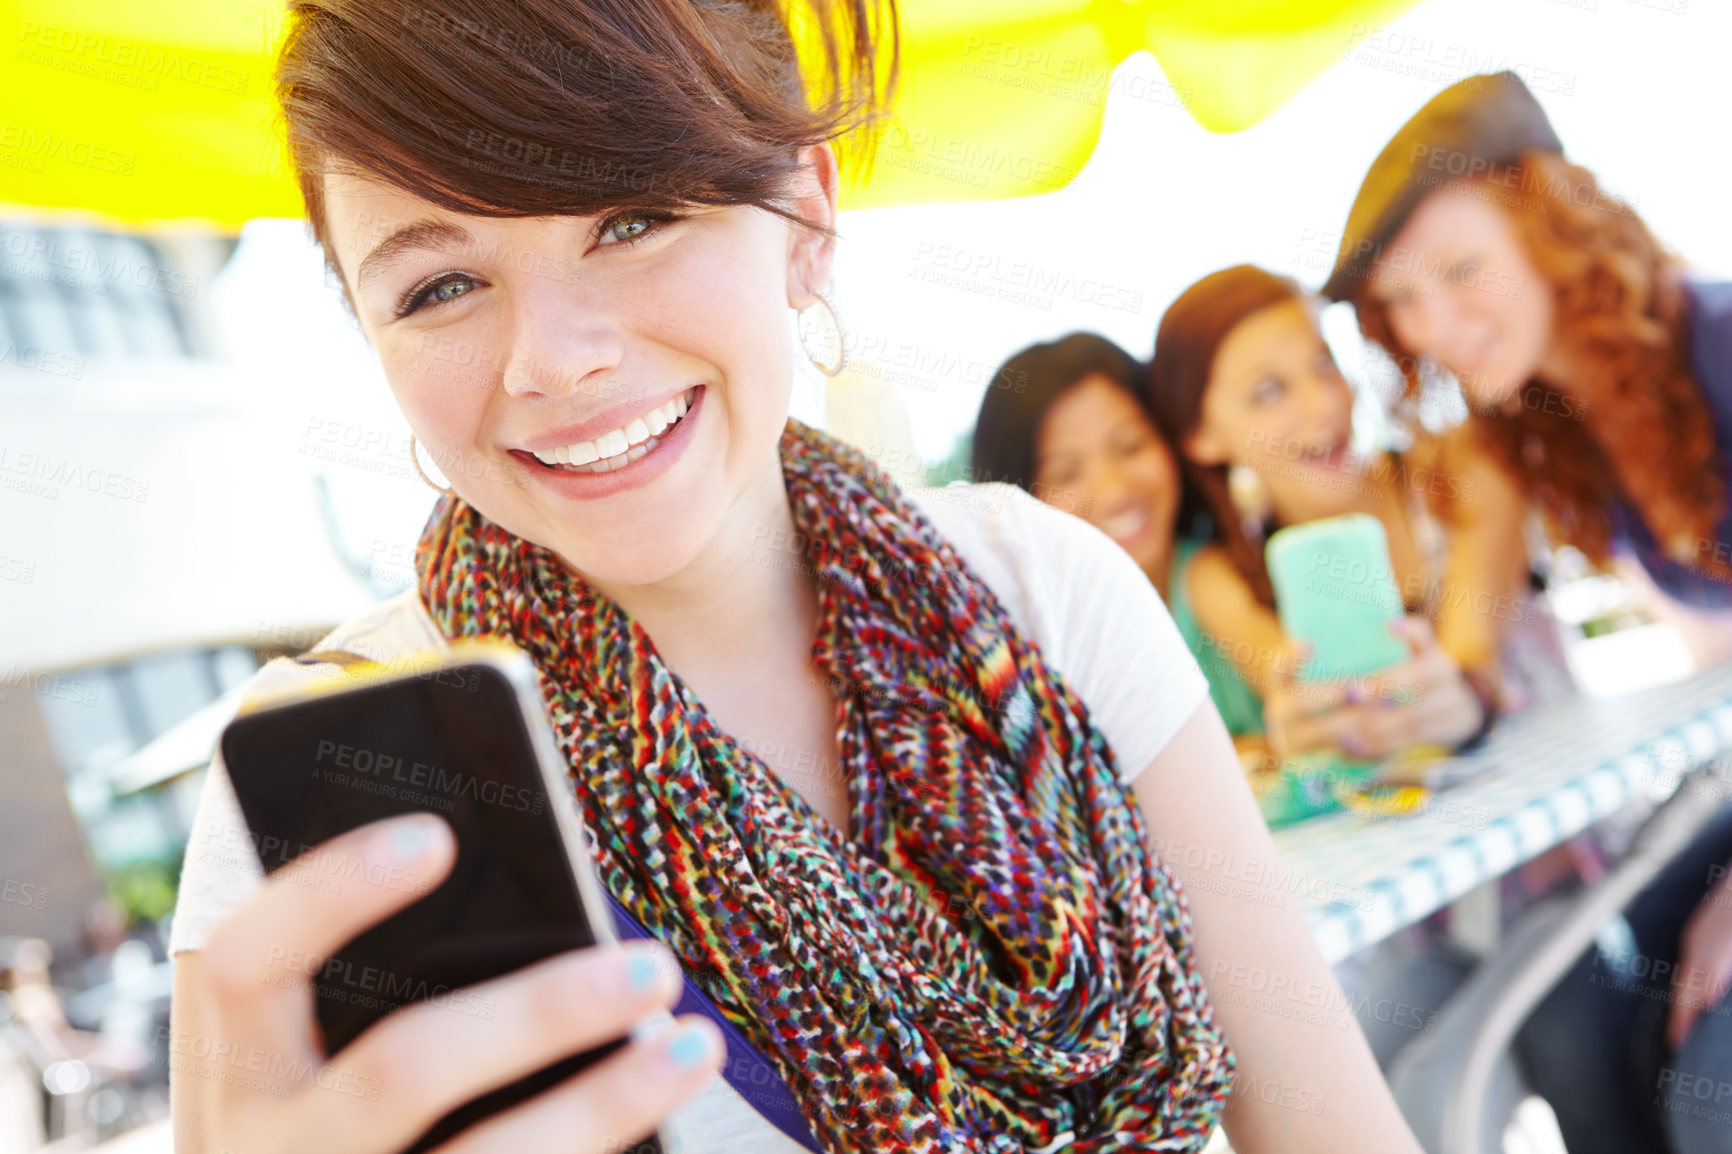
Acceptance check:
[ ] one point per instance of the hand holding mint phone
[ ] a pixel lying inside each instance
(1336, 595)
(1335, 591)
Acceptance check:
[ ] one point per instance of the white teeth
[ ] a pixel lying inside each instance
(616, 449)
(611, 444)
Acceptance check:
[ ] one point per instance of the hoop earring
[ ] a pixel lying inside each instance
(1251, 499)
(841, 344)
(416, 461)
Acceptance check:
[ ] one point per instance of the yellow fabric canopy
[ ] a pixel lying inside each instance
(156, 115)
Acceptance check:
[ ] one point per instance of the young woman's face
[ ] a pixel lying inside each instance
(1459, 289)
(1098, 455)
(1277, 402)
(514, 344)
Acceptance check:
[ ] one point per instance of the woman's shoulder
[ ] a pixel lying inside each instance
(1711, 339)
(1040, 560)
(995, 516)
(385, 632)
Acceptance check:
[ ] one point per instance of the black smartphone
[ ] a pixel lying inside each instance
(461, 734)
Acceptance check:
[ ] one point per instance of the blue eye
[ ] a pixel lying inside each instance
(612, 228)
(641, 221)
(440, 289)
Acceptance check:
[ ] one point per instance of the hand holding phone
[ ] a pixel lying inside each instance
(267, 1086)
(460, 739)
(1335, 592)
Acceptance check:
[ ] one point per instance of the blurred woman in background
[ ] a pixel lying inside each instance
(1595, 371)
(1244, 384)
(1067, 421)
(1598, 374)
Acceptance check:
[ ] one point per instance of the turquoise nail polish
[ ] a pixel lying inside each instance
(407, 841)
(642, 973)
(690, 1048)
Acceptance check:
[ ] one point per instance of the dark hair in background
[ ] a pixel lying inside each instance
(517, 108)
(1025, 387)
(1190, 334)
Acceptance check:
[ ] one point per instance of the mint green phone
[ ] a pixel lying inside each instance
(1335, 588)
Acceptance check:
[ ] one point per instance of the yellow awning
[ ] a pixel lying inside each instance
(156, 115)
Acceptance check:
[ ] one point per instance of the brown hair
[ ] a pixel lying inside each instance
(518, 108)
(1190, 334)
(1643, 431)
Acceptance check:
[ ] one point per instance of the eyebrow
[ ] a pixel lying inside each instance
(422, 234)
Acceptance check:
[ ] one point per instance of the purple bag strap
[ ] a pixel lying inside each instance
(745, 1068)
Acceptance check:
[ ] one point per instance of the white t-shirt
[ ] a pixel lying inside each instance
(1066, 585)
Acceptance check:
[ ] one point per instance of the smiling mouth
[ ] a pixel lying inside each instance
(1329, 456)
(1125, 526)
(620, 447)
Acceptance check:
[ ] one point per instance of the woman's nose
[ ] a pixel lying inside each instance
(1432, 321)
(558, 349)
(1107, 488)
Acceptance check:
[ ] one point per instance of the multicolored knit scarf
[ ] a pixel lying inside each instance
(992, 960)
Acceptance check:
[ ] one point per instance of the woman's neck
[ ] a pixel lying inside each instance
(747, 592)
(1159, 570)
(1297, 502)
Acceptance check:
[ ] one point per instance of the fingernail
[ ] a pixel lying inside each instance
(410, 839)
(641, 971)
(691, 1047)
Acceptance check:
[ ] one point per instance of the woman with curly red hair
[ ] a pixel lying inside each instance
(1599, 374)
(1592, 366)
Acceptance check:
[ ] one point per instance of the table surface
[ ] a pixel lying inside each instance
(1556, 770)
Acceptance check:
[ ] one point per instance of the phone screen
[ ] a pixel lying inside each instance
(453, 742)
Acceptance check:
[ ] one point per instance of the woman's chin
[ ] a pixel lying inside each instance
(630, 556)
(1492, 390)
(1151, 551)
(616, 558)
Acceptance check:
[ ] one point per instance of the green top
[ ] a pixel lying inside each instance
(1240, 708)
